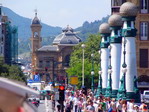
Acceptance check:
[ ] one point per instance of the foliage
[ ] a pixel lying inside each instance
(92, 46)
(11, 72)
(90, 28)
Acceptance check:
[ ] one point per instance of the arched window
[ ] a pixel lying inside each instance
(35, 34)
(67, 60)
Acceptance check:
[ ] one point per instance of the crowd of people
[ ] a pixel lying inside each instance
(77, 101)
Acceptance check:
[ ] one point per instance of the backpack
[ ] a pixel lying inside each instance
(110, 109)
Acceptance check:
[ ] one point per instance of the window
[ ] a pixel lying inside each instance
(143, 58)
(47, 63)
(35, 34)
(40, 64)
(117, 2)
(144, 31)
(67, 60)
(144, 6)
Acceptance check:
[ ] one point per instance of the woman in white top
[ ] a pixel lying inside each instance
(130, 106)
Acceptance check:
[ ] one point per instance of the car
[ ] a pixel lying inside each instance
(146, 96)
(32, 97)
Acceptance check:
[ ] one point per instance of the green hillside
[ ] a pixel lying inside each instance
(48, 32)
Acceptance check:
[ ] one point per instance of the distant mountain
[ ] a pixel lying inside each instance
(90, 28)
(48, 32)
(23, 24)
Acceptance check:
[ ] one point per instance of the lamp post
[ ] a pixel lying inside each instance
(33, 70)
(109, 86)
(92, 73)
(83, 46)
(99, 88)
(122, 89)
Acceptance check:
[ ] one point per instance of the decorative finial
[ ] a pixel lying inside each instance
(35, 12)
(67, 26)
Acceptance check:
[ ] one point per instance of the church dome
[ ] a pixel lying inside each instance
(35, 20)
(67, 37)
(128, 9)
(104, 28)
(115, 20)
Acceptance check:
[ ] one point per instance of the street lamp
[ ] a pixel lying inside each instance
(92, 73)
(122, 89)
(83, 47)
(99, 88)
(109, 86)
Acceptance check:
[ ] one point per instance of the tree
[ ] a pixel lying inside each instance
(11, 72)
(92, 46)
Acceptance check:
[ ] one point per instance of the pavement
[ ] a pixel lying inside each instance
(45, 106)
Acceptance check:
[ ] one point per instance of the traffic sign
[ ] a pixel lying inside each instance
(74, 80)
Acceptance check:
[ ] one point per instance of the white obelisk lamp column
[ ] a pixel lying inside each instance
(104, 30)
(115, 22)
(129, 12)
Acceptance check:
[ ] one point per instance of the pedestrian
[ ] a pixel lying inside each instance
(100, 108)
(112, 107)
(119, 105)
(90, 107)
(130, 105)
(75, 103)
(67, 107)
(143, 107)
(53, 101)
(136, 108)
(80, 105)
(124, 106)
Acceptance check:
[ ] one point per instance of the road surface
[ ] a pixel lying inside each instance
(45, 106)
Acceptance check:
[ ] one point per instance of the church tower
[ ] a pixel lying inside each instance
(35, 39)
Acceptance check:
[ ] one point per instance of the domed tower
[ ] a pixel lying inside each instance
(129, 12)
(115, 22)
(104, 30)
(35, 38)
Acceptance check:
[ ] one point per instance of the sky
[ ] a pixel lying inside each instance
(61, 12)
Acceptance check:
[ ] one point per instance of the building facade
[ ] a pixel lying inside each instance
(142, 38)
(51, 61)
(1, 36)
(8, 40)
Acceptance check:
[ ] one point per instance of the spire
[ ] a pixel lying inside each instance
(36, 20)
(35, 12)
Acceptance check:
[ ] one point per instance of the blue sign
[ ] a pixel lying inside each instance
(30, 81)
(36, 78)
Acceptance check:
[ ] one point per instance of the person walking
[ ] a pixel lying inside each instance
(130, 105)
(119, 105)
(124, 106)
(143, 107)
(90, 107)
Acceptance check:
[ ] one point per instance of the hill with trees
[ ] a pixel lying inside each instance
(48, 32)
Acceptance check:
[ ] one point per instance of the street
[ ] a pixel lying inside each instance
(45, 107)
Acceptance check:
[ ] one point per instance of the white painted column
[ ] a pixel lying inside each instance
(131, 63)
(115, 63)
(122, 60)
(104, 66)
